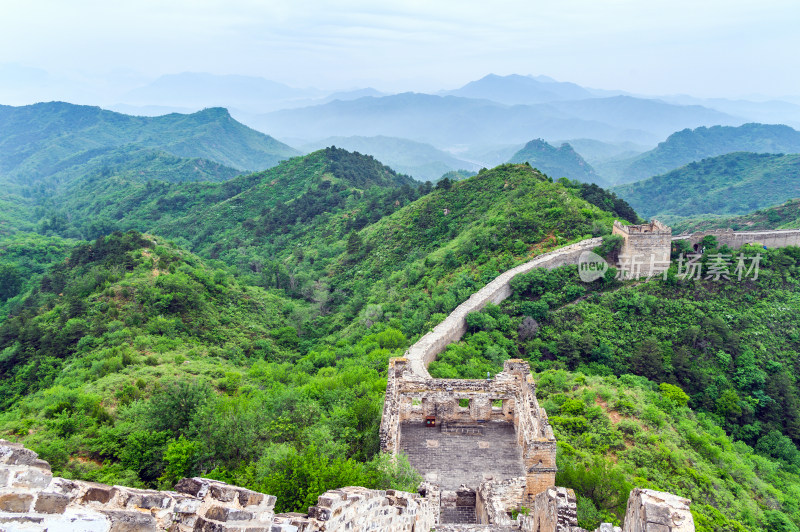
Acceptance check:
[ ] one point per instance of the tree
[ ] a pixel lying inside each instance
(647, 360)
(10, 281)
(354, 243)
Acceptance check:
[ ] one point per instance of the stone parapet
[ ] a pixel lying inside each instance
(452, 328)
(657, 511)
(32, 499)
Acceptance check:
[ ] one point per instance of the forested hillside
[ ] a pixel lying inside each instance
(736, 183)
(421, 161)
(685, 386)
(556, 162)
(785, 216)
(281, 384)
(37, 141)
(689, 145)
(268, 305)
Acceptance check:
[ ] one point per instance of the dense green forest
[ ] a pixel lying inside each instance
(559, 162)
(784, 216)
(736, 183)
(264, 309)
(280, 373)
(683, 147)
(687, 386)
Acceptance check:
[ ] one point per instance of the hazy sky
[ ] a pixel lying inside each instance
(699, 47)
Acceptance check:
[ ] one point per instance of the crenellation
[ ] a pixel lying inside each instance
(735, 239)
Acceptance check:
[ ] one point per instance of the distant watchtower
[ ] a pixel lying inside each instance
(646, 245)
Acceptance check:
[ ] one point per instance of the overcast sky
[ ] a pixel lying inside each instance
(727, 48)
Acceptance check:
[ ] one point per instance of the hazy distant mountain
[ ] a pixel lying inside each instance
(516, 89)
(39, 140)
(638, 114)
(449, 121)
(419, 160)
(556, 162)
(692, 145)
(354, 94)
(198, 90)
(734, 183)
(767, 111)
(597, 151)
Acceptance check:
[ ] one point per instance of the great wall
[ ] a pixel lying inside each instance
(485, 448)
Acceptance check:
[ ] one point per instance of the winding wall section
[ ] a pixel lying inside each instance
(452, 328)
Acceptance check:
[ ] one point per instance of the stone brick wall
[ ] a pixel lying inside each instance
(32, 499)
(736, 239)
(452, 328)
(411, 397)
(553, 510)
(656, 511)
(644, 243)
(496, 498)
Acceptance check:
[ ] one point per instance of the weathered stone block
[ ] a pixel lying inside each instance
(131, 522)
(250, 498)
(98, 493)
(193, 486)
(15, 502)
(205, 525)
(145, 499)
(656, 511)
(224, 514)
(17, 456)
(223, 492)
(3, 477)
(187, 506)
(32, 477)
(321, 514)
(51, 503)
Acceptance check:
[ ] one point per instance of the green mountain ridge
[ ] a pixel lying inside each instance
(785, 216)
(689, 145)
(559, 162)
(735, 183)
(417, 159)
(39, 140)
(267, 305)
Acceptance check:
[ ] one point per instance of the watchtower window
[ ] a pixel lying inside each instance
(463, 403)
(497, 404)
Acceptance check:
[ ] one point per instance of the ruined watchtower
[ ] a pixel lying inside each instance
(460, 432)
(645, 248)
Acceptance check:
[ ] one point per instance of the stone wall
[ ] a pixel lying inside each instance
(736, 239)
(32, 499)
(496, 498)
(452, 328)
(410, 397)
(656, 511)
(553, 510)
(645, 248)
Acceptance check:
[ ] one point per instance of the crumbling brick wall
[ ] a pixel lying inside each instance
(32, 499)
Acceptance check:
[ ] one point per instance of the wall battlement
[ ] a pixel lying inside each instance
(777, 238)
(32, 499)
